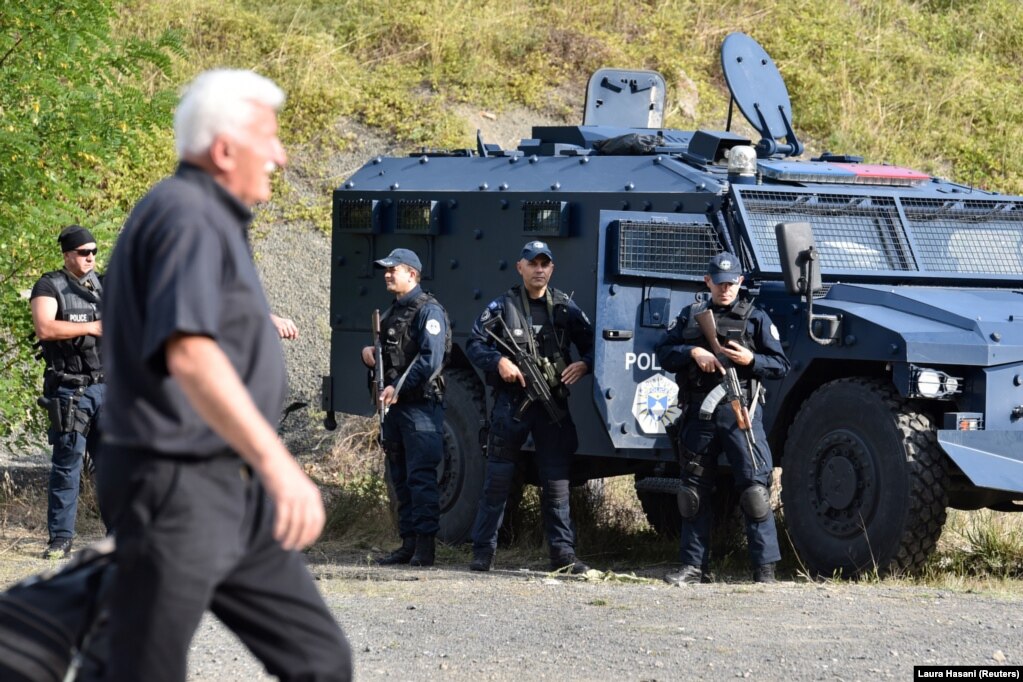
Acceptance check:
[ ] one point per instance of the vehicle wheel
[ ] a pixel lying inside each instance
(864, 483)
(661, 512)
(461, 472)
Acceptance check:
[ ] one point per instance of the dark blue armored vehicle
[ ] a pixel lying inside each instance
(898, 296)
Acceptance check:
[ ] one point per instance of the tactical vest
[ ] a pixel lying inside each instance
(732, 324)
(400, 345)
(78, 300)
(553, 340)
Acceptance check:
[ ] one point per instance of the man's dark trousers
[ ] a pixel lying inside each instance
(711, 437)
(66, 468)
(194, 535)
(413, 438)
(555, 447)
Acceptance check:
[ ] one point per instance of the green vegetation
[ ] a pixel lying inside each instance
(71, 108)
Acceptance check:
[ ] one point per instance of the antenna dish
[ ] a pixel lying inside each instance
(758, 90)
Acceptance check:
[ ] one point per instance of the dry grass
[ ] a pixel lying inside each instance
(978, 551)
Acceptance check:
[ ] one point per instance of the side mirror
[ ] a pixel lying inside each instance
(796, 251)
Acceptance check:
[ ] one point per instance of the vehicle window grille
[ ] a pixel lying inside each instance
(417, 216)
(545, 218)
(851, 232)
(975, 236)
(666, 248)
(356, 215)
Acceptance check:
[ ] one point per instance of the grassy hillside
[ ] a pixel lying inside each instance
(930, 84)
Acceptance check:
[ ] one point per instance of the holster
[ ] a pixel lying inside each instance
(65, 417)
(693, 465)
(674, 431)
(52, 406)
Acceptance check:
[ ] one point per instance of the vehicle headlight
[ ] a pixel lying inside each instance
(933, 383)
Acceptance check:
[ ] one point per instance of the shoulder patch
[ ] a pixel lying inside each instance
(486, 315)
(673, 323)
(774, 333)
(433, 327)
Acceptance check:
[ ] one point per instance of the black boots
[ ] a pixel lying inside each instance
(482, 560)
(764, 573)
(568, 563)
(426, 550)
(402, 555)
(420, 550)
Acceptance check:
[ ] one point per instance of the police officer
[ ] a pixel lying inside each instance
(543, 321)
(66, 316)
(416, 340)
(752, 346)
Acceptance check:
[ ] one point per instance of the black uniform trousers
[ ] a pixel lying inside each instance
(194, 535)
(555, 446)
(707, 439)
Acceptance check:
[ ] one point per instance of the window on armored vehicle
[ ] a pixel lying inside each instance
(851, 232)
(673, 250)
(969, 237)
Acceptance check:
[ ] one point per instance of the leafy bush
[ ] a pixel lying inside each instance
(70, 108)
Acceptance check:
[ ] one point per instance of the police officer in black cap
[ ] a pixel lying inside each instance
(416, 339)
(749, 341)
(537, 316)
(66, 317)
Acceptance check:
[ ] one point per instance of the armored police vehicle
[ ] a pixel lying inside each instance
(897, 295)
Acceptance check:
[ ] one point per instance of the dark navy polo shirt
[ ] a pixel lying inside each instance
(183, 264)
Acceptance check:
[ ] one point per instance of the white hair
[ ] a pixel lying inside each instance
(220, 101)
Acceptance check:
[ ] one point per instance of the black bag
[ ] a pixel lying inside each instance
(48, 620)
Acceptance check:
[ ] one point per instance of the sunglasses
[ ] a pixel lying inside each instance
(86, 252)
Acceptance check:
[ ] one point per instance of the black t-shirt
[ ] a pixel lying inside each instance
(183, 264)
(45, 287)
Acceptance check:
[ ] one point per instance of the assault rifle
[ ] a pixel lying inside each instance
(538, 383)
(730, 388)
(378, 369)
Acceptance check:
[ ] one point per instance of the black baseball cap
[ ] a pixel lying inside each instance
(724, 267)
(400, 257)
(73, 236)
(536, 248)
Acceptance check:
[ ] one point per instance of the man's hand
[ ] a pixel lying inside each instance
(510, 372)
(298, 506)
(369, 356)
(574, 372)
(738, 354)
(213, 389)
(388, 397)
(96, 328)
(705, 360)
(286, 328)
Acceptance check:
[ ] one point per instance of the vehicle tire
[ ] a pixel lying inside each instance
(864, 483)
(661, 512)
(461, 472)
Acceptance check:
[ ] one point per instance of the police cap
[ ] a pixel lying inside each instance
(400, 257)
(536, 248)
(724, 267)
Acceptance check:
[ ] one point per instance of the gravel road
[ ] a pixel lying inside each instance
(447, 623)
